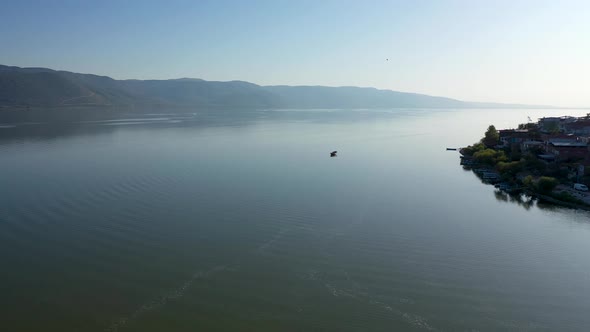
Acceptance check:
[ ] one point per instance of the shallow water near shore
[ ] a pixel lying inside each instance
(233, 221)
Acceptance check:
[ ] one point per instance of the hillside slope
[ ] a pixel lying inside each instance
(42, 87)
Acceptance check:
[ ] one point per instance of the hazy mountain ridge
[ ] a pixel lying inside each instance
(355, 97)
(43, 87)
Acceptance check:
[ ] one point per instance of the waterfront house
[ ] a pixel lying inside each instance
(569, 151)
(509, 137)
(579, 127)
(555, 124)
(531, 145)
(559, 138)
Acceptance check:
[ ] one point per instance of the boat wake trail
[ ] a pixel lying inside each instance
(164, 299)
(270, 242)
(181, 290)
(354, 291)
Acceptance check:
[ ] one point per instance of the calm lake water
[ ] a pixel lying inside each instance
(240, 221)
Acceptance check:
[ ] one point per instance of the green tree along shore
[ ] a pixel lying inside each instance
(523, 169)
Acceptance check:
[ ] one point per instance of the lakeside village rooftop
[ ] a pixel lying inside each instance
(560, 139)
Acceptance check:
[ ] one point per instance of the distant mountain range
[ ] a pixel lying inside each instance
(42, 87)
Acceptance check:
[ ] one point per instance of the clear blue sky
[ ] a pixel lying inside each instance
(505, 51)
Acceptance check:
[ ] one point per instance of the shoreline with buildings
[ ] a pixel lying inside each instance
(548, 160)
